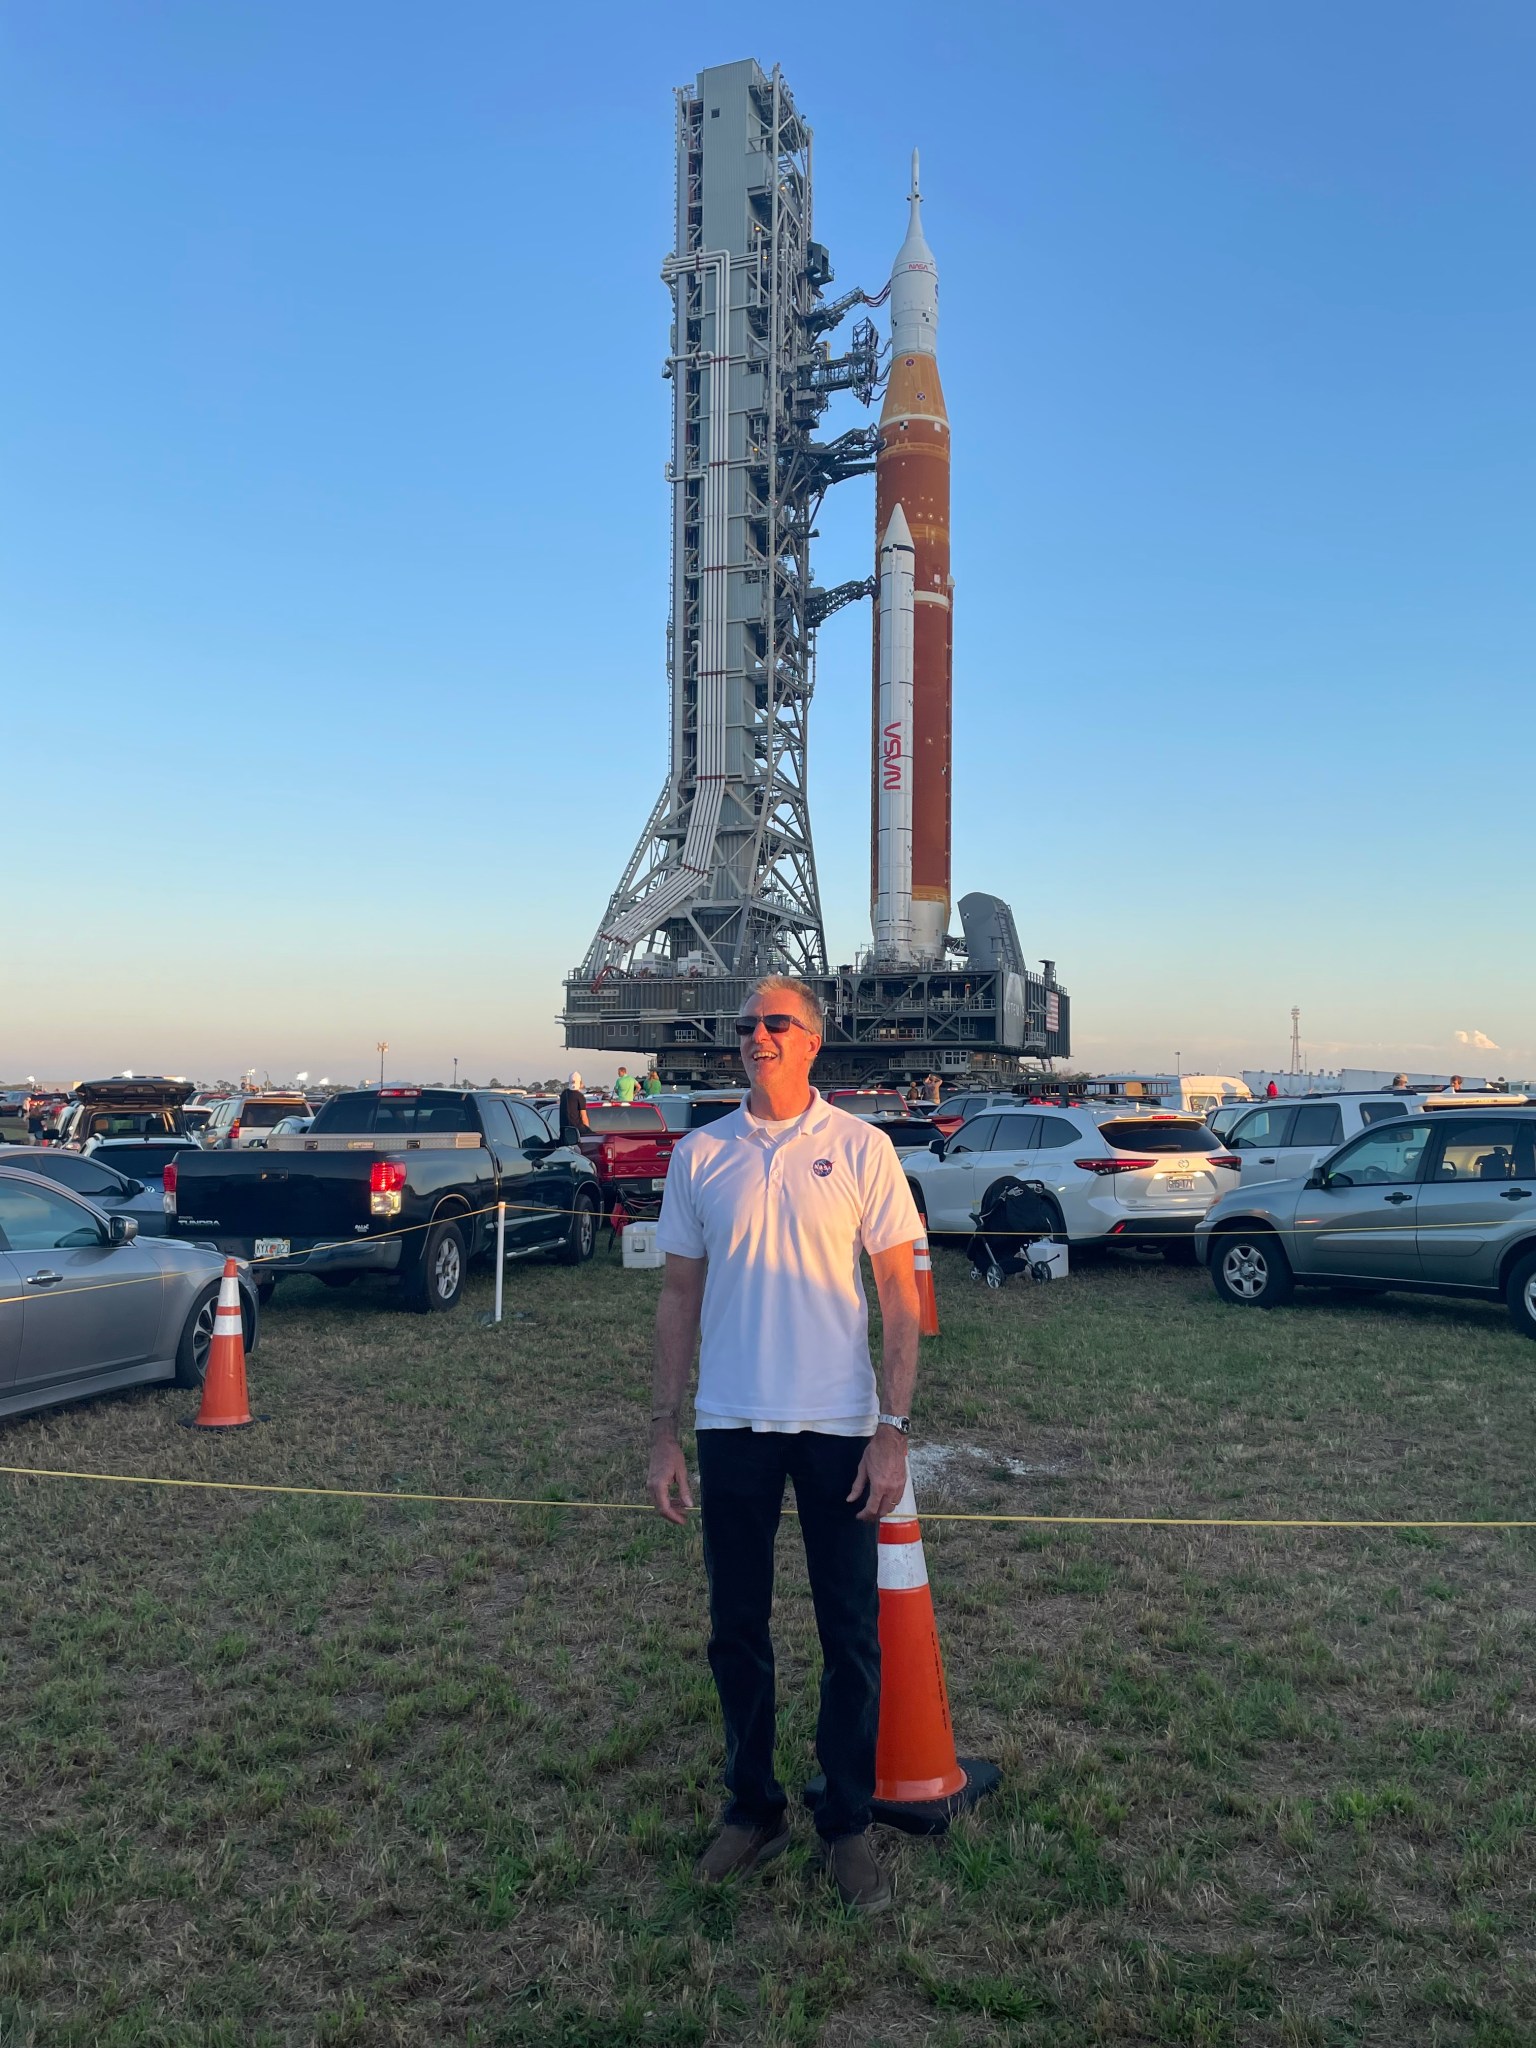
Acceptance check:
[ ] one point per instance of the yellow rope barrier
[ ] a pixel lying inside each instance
(637, 1507)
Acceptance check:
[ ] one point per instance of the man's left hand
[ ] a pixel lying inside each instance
(882, 1473)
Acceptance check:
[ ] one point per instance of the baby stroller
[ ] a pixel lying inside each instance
(1016, 1215)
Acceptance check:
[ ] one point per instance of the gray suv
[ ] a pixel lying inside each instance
(1435, 1202)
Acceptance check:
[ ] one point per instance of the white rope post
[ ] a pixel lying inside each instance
(501, 1255)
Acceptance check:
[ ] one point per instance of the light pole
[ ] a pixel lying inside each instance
(381, 1049)
(1177, 1068)
(455, 1070)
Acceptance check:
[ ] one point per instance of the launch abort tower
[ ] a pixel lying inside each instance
(722, 885)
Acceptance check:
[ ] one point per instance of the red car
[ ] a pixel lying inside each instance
(630, 1145)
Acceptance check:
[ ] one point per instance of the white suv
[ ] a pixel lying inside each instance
(1283, 1139)
(1130, 1177)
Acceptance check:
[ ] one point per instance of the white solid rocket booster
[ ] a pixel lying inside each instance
(893, 764)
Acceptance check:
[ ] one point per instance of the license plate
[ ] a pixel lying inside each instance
(273, 1247)
(1180, 1183)
(657, 1186)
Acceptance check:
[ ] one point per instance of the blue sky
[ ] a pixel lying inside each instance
(333, 530)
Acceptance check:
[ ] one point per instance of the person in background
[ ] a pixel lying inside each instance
(1399, 1081)
(652, 1082)
(1455, 1084)
(933, 1089)
(573, 1112)
(624, 1087)
(1272, 1090)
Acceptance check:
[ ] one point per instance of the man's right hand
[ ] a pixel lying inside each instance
(669, 1469)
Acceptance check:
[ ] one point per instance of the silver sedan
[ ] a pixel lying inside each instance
(87, 1306)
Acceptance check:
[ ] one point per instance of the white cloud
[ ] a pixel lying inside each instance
(1478, 1040)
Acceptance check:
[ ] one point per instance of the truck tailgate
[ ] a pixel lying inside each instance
(304, 1196)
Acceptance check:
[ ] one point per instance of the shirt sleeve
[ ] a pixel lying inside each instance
(678, 1228)
(890, 1215)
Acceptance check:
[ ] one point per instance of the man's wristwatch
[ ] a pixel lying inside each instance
(901, 1422)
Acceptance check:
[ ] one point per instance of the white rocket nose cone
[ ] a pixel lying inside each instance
(897, 532)
(915, 286)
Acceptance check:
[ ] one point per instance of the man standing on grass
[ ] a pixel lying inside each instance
(763, 1220)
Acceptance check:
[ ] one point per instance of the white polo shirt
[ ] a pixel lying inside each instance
(782, 1214)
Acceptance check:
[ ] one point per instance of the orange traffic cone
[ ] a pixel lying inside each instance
(226, 1404)
(920, 1783)
(927, 1300)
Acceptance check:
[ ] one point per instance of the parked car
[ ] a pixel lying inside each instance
(1278, 1139)
(291, 1126)
(1134, 1178)
(954, 1110)
(142, 1159)
(630, 1147)
(1432, 1202)
(1225, 1115)
(115, 1193)
(82, 1331)
(867, 1102)
(124, 1106)
(402, 1181)
(691, 1109)
(241, 1122)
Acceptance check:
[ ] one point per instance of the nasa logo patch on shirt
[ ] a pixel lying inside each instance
(821, 1168)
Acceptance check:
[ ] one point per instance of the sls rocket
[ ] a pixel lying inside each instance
(914, 621)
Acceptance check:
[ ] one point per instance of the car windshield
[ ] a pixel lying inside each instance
(1157, 1134)
(608, 1117)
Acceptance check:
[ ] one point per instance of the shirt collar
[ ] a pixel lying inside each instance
(811, 1118)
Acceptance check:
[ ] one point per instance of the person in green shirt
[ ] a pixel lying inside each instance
(624, 1087)
(652, 1082)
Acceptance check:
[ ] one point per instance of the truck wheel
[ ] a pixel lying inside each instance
(1249, 1269)
(581, 1239)
(433, 1285)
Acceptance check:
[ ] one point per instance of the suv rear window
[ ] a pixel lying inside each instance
(261, 1116)
(1159, 1134)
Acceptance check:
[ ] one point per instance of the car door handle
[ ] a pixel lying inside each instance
(1397, 1198)
(1515, 1195)
(1266, 1162)
(44, 1279)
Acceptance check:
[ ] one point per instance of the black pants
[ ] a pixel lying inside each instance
(742, 1474)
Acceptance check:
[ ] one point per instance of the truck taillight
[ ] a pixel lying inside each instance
(386, 1184)
(168, 1199)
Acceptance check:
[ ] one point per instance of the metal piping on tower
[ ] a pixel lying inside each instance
(912, 476)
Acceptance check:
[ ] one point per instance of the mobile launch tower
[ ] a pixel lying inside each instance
(721, 886)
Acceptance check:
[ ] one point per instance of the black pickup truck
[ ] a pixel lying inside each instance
(391, 1180)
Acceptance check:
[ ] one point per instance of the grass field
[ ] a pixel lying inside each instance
(292, 1771)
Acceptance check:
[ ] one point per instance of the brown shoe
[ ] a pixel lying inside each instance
(861, 1884)
(738, 1851)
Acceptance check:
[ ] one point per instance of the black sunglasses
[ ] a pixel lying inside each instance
(776, 1021)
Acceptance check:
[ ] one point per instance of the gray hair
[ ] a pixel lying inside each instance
(803, 993)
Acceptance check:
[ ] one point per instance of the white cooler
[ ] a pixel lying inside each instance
(640, 1253)
(1044, 1253)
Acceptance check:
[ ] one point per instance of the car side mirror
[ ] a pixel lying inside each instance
(1317, 1180)
(133, 1187)
(122, 1229)
(936, 1146)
